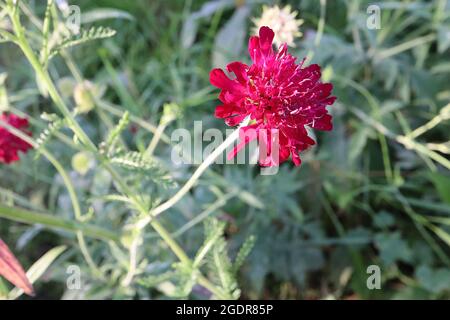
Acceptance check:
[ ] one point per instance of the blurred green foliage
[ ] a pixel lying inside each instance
(374, 191)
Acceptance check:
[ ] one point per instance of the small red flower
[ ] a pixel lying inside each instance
(10, 145)
(278, 95)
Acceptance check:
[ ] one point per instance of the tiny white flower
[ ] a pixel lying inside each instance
(282, 21)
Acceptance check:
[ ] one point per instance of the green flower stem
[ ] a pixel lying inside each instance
(156, 137)
(193, 179)
(442, 116)
(43, 76)
(320, 30)
(386, 53)
(54, 222)
(406, 141)
(204, 214)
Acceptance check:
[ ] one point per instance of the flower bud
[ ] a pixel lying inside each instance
(170, 112)
(66, 86)
(82, 162)
(85, 94)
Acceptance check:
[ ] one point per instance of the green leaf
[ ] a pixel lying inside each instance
(118, 129)
(135, 161)
(358, 142)
(84, 36)
(3, 290)
(436, 280)
(105, 13)
(190, 26)
(55, 124)
(392, 248)
(383, 219)
(214, 230)
(230, 39)
(39, 268)
(441, 233)
(442, 185)
(216, 257)
(243, 253)
(250, 199)
(443, 38)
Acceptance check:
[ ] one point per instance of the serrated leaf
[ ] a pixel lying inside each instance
(53, 127)
(118, 129)
(243, 253)
(214, 230)
(84, 36)
(392, 248)
(134, 160)
(214, 250)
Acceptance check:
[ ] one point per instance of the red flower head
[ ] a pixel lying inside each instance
(10, 145)
(280, 97)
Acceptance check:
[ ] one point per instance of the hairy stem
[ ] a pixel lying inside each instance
(193, 179)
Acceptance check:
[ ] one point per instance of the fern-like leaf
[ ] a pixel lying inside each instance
(118, 129)
(214, 229)
(46, 30)
(243, 253)
(134, 161)
(84, 36)
(186, 278)
(224, 269)
(218, 261)
(55, 124)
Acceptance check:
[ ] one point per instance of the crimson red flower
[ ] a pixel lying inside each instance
(278, 95)
(10, 145)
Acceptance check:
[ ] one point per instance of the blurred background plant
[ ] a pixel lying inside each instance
(374, 192)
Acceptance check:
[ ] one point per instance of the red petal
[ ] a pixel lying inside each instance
(219, 79)
(235, 120)
(329, 101)
(266, 36)
(240, 70)
(11, 269)
(323, 123)
(222, 111)
(325, 90)
(296, 158)
(253, 49)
